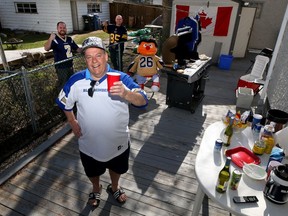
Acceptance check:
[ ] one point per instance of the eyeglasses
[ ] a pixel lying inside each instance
(91, 89)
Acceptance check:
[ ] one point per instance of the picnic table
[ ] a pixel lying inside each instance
(13, 43)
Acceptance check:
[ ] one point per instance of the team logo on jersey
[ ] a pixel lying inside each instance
(62, 97)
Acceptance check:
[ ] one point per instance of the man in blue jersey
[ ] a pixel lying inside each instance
(62, 46)
(102, 118)
(118, 35)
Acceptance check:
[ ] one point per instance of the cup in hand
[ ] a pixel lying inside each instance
(111, 78)
(256, 119)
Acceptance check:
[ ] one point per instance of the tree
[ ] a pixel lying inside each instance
(167, 11)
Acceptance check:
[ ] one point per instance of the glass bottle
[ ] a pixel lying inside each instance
(223, 177)
(228, 133)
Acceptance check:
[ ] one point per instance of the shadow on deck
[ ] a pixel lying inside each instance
(161, 179)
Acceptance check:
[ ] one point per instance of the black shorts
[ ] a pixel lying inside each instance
(95, 168)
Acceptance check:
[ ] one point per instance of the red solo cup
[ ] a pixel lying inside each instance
(111, 78)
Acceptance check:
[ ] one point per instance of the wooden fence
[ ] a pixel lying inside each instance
(135, 16)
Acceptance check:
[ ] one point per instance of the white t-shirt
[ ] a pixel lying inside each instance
(103, 118)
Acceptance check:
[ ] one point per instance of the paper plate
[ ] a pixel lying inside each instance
(254, 171)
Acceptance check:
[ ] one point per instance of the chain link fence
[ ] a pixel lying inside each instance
(27, 108)
(28, 112)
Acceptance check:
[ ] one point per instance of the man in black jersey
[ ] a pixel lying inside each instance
(118, 35)
(62, 46)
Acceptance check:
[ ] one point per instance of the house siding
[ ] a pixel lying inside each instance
(82, 10)
(49, 13)
(266, 28)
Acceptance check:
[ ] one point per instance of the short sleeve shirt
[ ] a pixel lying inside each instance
(117, 33)
(103, 118)
(62, 49)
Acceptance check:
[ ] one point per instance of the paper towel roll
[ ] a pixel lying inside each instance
(281, 138)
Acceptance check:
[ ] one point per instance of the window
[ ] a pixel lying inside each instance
(93, 8)
(25, 7)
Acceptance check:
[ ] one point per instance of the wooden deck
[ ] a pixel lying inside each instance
(161, 178)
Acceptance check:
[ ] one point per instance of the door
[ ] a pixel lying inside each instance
(244, 31)
(74, 15)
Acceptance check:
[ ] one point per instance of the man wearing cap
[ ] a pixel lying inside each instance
(102, 118)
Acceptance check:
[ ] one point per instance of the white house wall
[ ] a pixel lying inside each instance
(266, 28)
(57, 11)
(82, 10)
(43, 21)
(208, 42)
(49, 13)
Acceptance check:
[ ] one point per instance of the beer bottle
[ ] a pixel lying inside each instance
(223, 177)
(228, 133)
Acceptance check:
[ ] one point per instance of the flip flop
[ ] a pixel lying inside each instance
(116, 194)
(95, 196)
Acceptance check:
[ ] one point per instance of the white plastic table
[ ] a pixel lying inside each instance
(209, 163)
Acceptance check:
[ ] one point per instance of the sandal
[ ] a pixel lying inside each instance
(116, 194)
(95, 196)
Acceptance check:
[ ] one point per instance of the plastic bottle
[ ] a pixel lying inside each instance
(223, 177)
(267, 138)
(259, 147)
(256, 132)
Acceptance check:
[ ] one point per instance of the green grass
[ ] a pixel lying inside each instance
(35, 39)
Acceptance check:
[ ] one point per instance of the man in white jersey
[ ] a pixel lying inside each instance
(102, 118)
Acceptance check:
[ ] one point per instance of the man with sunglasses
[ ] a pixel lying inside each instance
(102, 118)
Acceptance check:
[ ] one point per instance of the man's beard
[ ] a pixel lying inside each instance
(62, 33)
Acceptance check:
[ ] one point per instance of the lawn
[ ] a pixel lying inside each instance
(36, 39)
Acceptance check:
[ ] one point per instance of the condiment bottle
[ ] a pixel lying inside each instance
(267, 138)
(223, 177)
(259, 147)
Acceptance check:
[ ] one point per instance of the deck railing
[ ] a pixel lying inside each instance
(27, 108)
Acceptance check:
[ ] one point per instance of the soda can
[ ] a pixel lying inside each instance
(236, 177)
(218, 145)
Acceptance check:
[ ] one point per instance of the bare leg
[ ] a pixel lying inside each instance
(114, 182)
(96, 188)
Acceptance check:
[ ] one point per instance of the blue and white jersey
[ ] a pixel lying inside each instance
(103, 118)
(62, 49)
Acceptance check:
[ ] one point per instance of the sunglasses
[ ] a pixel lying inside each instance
(91, 89)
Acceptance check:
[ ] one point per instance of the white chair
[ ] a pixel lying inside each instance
(255, 79)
